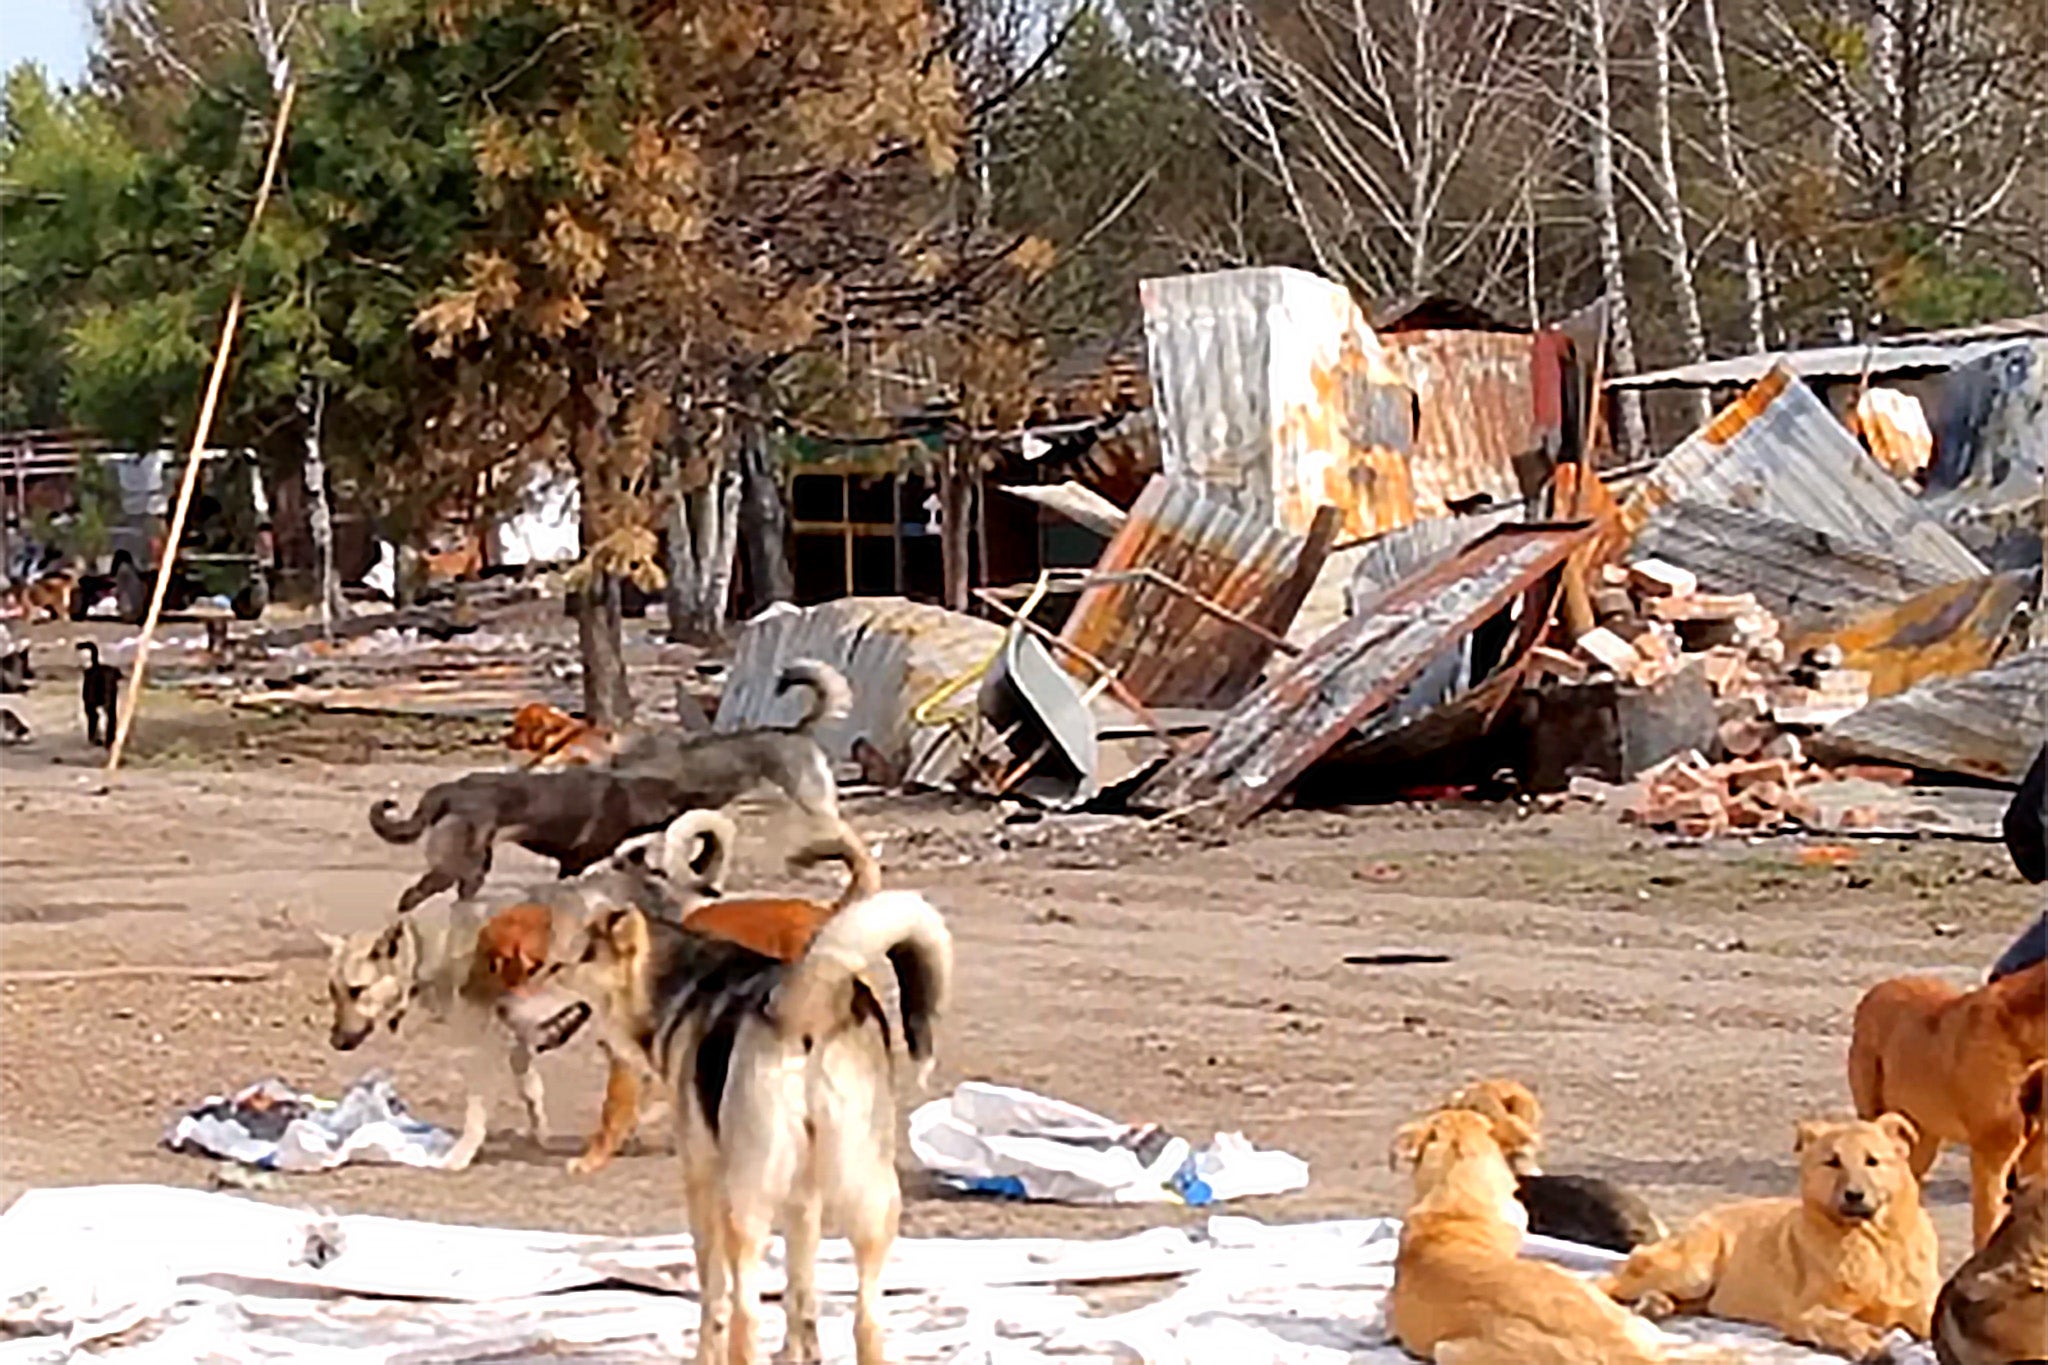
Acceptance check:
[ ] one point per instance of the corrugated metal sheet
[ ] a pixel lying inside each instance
(1270, 387)
(1075, 502)
(894, 653)
(1264, 743)
(1778, 451)
(1167, 650)
(1385, 562)
(1807, 578)
(1475, 393)
(1955, 628)
(1990, 468)
(1988, 724)
(1878, 359)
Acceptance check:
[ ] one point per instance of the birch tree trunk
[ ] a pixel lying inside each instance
(763, 520)
(702, 532)
(1753, 292)
(320, 514)
(1634, 437)
(1671, 204)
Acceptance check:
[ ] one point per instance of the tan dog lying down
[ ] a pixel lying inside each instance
(1852, 1257)
(1462, 1295)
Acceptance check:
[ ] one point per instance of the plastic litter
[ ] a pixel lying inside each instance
(273, 1127)
(1000, 1140)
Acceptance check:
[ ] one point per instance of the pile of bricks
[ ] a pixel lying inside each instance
(1653, 621)
(1700, 799)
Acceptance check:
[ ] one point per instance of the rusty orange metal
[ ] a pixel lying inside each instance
(1947, 630)
(1477, 401)
(1165, 648)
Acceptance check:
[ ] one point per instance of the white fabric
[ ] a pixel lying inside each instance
(134, 1274)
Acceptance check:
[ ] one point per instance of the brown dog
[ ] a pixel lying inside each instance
(1952, 1061)
(544, 736)
(1994, 1310)
(1462, 1295)
(1575, 1208)
(1852, 1257)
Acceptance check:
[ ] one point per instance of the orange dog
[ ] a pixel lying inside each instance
(546, 737)
(1953, 1061)
(1461, 1290)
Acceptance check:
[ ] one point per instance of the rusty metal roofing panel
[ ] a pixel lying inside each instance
(1778, 451)
(894, 653)
(1476, 398)
(1987, 724)
(1807, 578)
(1955, 628)
(1269, 384)
(1167, 650)
(1265, 742)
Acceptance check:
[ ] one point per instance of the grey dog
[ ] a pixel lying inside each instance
(579, 816)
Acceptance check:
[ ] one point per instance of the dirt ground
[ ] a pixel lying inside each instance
(1677, 1009)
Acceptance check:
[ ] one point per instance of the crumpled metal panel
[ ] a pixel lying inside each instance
(1476, 401)
(1269, 385)
(1778, 451)
(1167, 650)
(1265, 742)
(1988, 724)
(1808, 579)
(894, 653)
(1955, 628)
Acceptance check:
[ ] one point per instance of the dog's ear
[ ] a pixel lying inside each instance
(1900, 1130)
(1807, 1132)
(1411, 1140)
(2034, 1094)
(335, 944)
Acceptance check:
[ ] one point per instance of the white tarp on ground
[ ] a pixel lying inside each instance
(143, 1273)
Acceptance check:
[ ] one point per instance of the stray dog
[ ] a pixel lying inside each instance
(1952, 1061)
(13, 729)
(1575, 1208)
(780, 928)
(1851, 1258)
(577, 817)
(544, 737)
(49, 596)
(99, 688)
(717, 769)
(1462, 1295)
(1994, 1310)
(781, 1075)
(16, 670)
(450, 970)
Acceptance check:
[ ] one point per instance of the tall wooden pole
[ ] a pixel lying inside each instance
(132, 695)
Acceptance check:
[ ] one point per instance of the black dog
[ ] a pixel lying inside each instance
(576, 817)
(100, 689)
(16, 672)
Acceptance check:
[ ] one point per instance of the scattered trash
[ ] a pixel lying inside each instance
(272, 1127)
(995, 1139)
(136, 1273)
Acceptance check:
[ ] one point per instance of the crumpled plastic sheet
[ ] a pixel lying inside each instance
(273, 1127)
(137, 1273)
(998, 1139)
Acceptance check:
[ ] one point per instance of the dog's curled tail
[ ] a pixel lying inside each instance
(816, 997)
(831, 695)
(392, 830)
